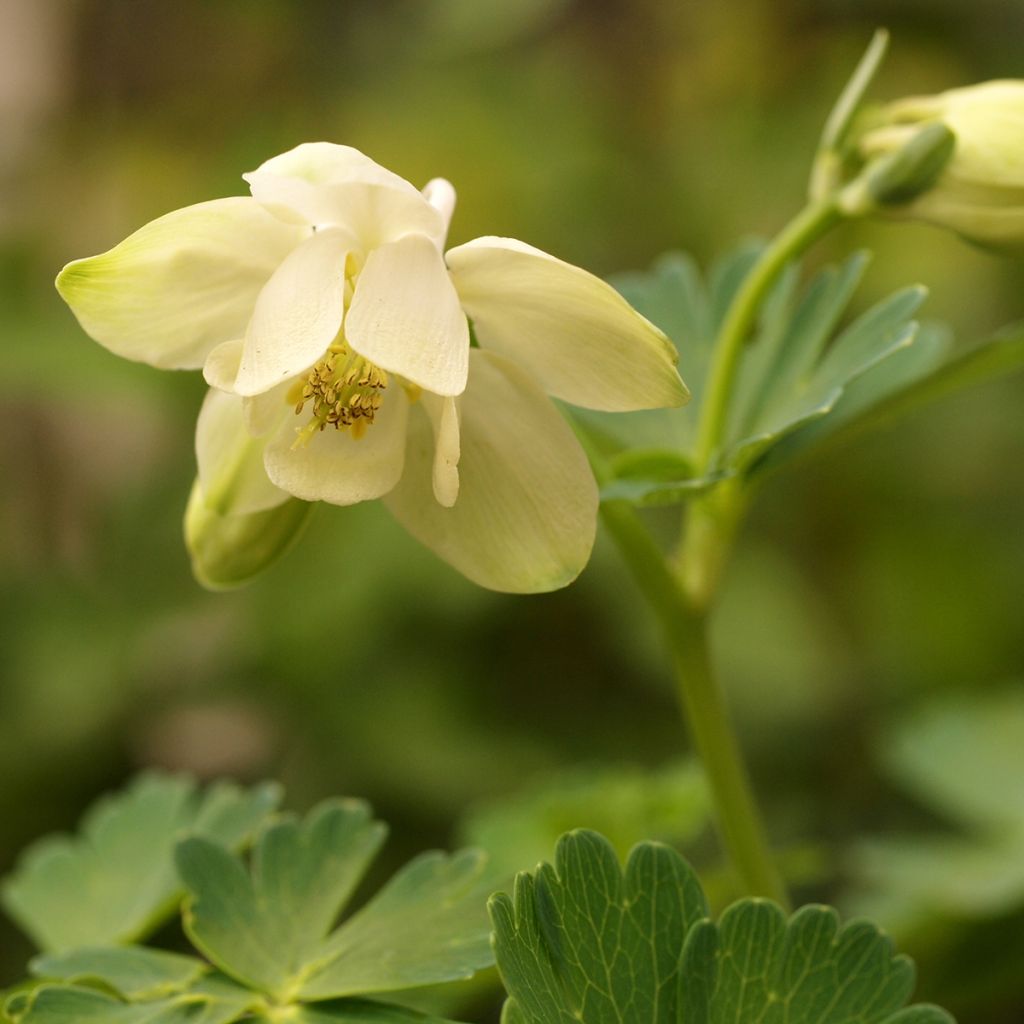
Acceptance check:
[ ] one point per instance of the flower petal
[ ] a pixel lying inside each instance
(298, 314)
(231, 472)
(221, 367)
(326, 163)
(577, 335)
(327, 185)
(526, 514)
(334, 466)
(264, 413)
(181, 284)
(406, 318)
(440, 193)
(444, 418)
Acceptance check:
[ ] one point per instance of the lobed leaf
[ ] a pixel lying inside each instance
(803, 381)
(214, 1003)
(134, 972)
(115, 881)
(584, 940)
(270, 927)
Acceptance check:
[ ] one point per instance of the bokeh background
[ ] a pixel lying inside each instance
(870, 587)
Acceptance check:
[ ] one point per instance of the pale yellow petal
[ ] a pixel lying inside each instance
(182, 284)
(573, 331)
(406, 318)
(526, 513)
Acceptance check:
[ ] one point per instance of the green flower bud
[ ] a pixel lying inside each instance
(228, 550)
(980, 190)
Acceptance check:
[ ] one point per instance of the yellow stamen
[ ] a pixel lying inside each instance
(345, 391)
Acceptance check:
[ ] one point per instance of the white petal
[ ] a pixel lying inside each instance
(181, 284)
(326, 163)
(444, 418)
(440, 193)
(576, 334)
(298, 314)
(406, 318)
(231, 471)
(336, 468)
(324, 184)
(221, 367)
(526, 514)
(265, 413)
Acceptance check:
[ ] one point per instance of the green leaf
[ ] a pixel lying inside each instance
(909, 380)
(801, 383)
(584, 941)
(115, 881)
(215, 1003)
(134, 972)
(359, 1011)
(269, 927)
(624, 803)
(955, 755)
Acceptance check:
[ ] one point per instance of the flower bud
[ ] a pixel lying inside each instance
(979, 193)
(228, 550)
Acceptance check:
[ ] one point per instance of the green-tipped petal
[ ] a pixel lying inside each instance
(574, 332)
(180, 285)
(526, 513)
(228, 550)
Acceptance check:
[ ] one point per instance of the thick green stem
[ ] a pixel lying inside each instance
(808, 225)
(739, 822)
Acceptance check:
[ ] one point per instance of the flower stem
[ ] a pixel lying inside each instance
(808, 225)
(701, 699)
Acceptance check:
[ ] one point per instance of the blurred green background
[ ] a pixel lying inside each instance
(869, 584)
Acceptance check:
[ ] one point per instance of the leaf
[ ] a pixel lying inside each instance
(955, 755)
(650, 491)
(802, 384)
(115, 881)
(360, 1011)
(216, 1003)
(909, 380)
(624, 803)
(585, 941)
(269, 927)
(134, 972)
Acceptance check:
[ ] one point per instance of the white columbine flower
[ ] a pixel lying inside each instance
(332, 328)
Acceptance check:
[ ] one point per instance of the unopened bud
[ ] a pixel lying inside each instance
(979, 192)
(228, 550)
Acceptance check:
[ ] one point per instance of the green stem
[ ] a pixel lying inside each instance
(808, 225)
(739, 822)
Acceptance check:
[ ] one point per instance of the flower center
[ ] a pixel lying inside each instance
(345, 392)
